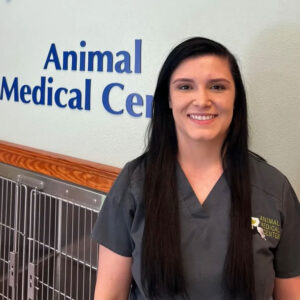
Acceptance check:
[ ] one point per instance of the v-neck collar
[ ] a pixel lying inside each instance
(187, 195)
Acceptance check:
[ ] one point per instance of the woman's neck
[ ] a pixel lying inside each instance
(200, 156)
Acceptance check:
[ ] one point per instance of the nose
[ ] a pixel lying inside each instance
(202, 97)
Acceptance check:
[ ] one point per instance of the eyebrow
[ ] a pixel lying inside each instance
(219, 79)
(182, 79)
(191, 80)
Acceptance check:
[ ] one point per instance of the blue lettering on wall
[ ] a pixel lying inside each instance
(87, 102)
(50, 93)
(82, 56)
(25, 90)
(95, 60)
(46, 93)
(57, 97)
(99, 61)
(5, 89)
(42, 94)
(72, 57)
(132, 100)
(105, 98)
(124, 64)
(38, 93)
(149, 100)
(138, 56)
(52, 58)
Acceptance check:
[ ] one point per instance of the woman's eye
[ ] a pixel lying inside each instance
(185, 87)
(218, 87)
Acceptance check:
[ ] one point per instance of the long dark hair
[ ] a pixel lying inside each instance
(162, 267)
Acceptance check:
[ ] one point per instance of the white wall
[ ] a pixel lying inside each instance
(264, 35)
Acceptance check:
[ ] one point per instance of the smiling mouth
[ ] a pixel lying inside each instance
(202, 117)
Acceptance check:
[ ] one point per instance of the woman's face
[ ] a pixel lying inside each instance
(202, 94)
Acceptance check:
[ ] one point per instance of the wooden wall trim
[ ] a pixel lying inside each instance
(86, 173)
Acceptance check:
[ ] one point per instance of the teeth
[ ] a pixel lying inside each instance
(202, 118)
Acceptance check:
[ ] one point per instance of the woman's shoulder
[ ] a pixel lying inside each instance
(134, 170)
(265, 176)
(131, 176)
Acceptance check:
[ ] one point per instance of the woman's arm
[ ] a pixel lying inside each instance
(288, 288)
(113, 276)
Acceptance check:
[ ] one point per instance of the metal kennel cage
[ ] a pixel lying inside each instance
(45, 247)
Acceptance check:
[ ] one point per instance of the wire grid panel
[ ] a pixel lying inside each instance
(13, 242)
(62, 257)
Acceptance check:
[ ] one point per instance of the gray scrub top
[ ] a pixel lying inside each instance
(205, 230)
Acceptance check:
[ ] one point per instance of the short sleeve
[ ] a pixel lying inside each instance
(113, 225)
(287, 255)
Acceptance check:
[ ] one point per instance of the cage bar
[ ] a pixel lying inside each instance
(45, 246)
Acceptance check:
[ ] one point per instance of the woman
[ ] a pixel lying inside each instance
(198, 216)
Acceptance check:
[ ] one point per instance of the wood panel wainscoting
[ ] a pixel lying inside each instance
(86, 173)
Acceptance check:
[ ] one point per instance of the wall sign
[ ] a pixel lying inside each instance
(47, 92)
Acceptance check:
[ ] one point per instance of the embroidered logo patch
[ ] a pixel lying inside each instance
(266, 227)
(271, 227)
(255, 226)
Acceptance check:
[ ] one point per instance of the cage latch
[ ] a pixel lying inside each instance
(12, 269)
(13, 273)
(32, 282)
